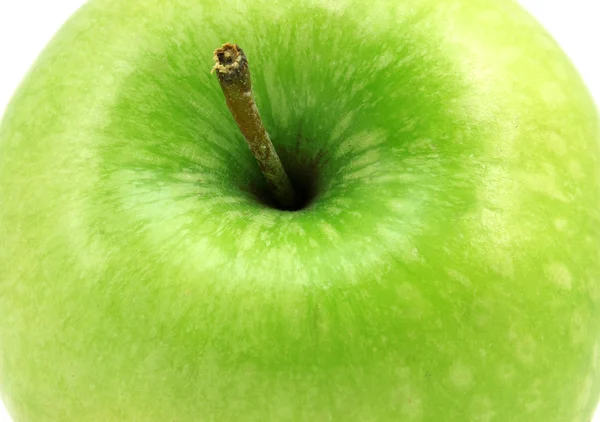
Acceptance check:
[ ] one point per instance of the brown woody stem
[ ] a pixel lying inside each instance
(234, 76)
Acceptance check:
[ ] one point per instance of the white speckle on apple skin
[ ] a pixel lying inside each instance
(576, 170)
(506, 373)
(557, 143)
(533, 398)
(559, 274)
(553, 94)
(248, 237)
(561, 224)
(341, 128)
(461, 376)
(583, 401)
(460, 277)
(525, 348)
(330, 233)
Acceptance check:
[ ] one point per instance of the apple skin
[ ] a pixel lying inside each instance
(448, 268)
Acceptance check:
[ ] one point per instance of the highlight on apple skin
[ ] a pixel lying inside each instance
(444, 265)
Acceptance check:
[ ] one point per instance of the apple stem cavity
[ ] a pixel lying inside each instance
(233, 73)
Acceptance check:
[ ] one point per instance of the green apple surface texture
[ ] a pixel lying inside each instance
(445, 268)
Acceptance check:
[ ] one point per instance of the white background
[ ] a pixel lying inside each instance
(27, 25)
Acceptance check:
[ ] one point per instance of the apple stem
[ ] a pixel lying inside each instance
(234, 77)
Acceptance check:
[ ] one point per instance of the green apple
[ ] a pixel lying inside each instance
(444, 267)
